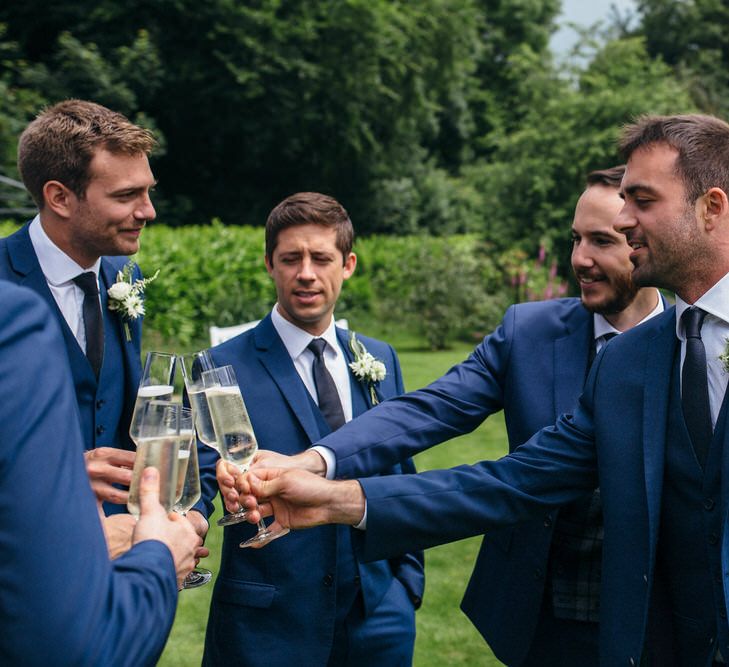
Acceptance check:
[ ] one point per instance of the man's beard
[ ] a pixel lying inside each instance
(624, 292)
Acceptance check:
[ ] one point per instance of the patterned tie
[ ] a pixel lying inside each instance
(93, 324)
(329, 402)
(694, 386)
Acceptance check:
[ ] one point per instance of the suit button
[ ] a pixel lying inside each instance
(357, 579)
(100, 429)
(328, 580)
(631, 662)
(100, 403)
(538, 574)
(548, 522)
(722, 613)
(709, 504)
(417, 602)
(713, 538)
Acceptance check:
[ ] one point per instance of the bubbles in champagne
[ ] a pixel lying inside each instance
(232, 425)
(153, 392)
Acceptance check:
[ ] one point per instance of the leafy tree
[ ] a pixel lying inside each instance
(570, 126)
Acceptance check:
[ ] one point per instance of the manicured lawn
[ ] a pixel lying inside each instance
(445, 636)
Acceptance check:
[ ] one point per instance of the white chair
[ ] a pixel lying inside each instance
(221, 334)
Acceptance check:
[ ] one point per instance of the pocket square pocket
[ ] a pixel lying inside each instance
(245, 593)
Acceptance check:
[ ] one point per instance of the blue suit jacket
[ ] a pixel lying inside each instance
(282, 597)
(616, 437)
(62, 602)
(105, 407)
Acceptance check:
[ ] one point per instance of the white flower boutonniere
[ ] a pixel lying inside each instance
(125, 296)
(724, 357)
(365, 367)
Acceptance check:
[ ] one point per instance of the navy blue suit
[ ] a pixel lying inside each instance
(621, 436)
(62, 602)
(278, 605)
(106, 405)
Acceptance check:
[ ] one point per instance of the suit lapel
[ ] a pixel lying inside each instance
(276, 360)
(361, 401)
(660, 351)
(571, 353)
(25, 263)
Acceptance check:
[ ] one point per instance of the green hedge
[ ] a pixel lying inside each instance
(441, 288)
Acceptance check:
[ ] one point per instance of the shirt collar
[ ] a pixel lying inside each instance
(715, 302)
(295, 339)
(601, 326)
(57, 266)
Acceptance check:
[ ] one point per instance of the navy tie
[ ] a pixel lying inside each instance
(93, 324)
(694, 385)
(329, 403)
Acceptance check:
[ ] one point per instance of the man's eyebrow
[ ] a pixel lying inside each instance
(632, 189)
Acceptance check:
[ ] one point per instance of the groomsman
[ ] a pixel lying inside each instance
(63, 601)
(534, 593)
(650, 428)
(87, 169)
(307, 599)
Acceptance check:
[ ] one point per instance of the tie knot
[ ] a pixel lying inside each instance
(609, 336)
(693, 318)
(317, 346)
(88, 283)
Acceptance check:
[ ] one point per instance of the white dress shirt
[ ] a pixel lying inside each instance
(714, 333)
(601, 326)
(296, 341)
(60, 270)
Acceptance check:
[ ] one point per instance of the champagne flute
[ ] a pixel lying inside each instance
(193, 365)
(157, 383)
(236, 440)
(190, 494)
(163, 428)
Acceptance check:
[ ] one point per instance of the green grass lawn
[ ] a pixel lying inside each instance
(444, 635)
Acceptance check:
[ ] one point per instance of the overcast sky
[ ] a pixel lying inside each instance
(583, 12)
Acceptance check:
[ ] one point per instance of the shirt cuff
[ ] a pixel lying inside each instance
(362, 525)
(330, 460)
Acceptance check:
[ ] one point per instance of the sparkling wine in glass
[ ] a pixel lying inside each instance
(193, 366)
(189, 495)
(163, 430)
(236, 440)
(157, 383)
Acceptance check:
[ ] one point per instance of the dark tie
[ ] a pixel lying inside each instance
(593, 348)
(694, 386)
(93, 324)
(326, 390)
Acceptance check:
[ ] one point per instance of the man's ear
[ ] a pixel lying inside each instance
(349, 265)
(59, 199)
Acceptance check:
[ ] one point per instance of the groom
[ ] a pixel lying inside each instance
(306, 598)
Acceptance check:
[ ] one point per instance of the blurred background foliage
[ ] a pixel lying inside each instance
(425, 119)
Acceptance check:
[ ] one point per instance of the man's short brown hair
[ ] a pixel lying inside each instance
(310, 208)
(702, 143)
(60, 144)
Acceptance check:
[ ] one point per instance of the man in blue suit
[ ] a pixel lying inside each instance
(534, 593)
(87, 169)
(63, 601)
(306, 598)
(650, 428)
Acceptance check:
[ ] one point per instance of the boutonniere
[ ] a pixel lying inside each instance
(724, 357)
(125, 296)
(366, 368)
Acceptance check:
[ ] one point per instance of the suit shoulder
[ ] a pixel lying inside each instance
(544, 315)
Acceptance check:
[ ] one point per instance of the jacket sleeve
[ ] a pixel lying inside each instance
(64, 602)
(450, 406)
